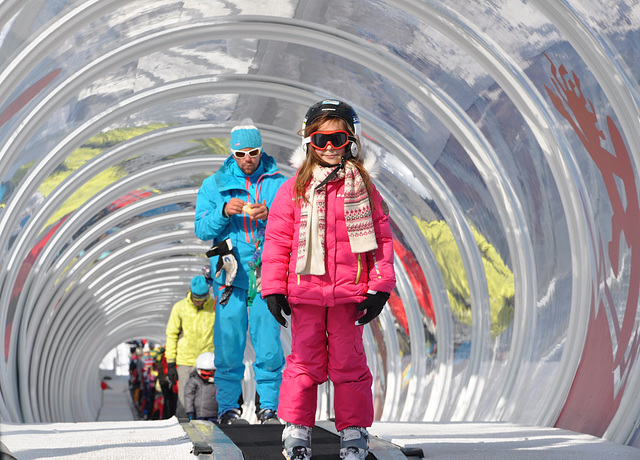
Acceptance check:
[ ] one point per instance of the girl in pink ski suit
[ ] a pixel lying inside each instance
(328, 262)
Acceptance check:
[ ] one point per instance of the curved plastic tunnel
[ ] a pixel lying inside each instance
(507, 139)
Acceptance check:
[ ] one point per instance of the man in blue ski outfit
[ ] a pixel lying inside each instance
(232, 210)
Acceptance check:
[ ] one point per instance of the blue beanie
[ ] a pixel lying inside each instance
(245, 136)
(199, 286)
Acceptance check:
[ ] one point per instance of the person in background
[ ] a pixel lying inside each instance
(148, 382)
(200, 390)
(134, 375)
(231, 210)
(328, 262)
(163, 386)
(189, 333)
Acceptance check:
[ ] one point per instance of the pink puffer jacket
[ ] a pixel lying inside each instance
(348, 276)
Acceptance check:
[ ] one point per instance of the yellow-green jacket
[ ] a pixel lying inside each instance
(189, 331)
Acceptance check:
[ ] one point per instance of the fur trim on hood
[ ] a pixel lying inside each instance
(369, 160)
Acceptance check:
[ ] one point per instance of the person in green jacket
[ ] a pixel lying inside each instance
(189, 333)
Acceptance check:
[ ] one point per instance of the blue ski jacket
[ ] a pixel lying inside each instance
(246, 234)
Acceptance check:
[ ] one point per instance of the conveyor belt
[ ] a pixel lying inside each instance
(263, 442)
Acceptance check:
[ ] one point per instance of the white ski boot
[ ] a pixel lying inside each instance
(296, 441)
(354, 443)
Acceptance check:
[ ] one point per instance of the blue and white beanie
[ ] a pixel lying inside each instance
(199, 287)
(245, 136)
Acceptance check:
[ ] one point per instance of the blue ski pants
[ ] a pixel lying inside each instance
(230, 337)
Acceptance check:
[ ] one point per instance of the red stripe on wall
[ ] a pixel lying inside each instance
(26, 96)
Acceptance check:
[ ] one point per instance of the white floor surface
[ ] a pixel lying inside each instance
(116, 435)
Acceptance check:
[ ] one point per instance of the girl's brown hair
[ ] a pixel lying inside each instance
(305, 172)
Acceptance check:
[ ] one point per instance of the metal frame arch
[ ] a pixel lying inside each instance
(616, 80)
(535, 111)
(65, 321)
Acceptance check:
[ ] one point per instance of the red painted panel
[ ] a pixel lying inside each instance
(602, 374)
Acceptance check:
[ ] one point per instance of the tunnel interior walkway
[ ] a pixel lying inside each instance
(506, 134)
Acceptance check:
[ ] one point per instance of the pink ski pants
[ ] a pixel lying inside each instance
(326, 342)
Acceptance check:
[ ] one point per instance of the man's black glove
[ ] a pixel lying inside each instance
(277, 304)
(227, 260)
(373, 304)
(172, 373)
(191, 415)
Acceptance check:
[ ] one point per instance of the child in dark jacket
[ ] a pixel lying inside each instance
(200, 390)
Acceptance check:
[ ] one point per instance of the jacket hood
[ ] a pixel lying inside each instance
(369, 160)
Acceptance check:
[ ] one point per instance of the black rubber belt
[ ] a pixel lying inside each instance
(264, 442)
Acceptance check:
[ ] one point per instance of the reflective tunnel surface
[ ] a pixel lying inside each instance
(507, 137)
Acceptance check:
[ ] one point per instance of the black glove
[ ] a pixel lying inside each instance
(373, 304)
(172, 373)
(277, 304)
(191, 415)
(227, 260)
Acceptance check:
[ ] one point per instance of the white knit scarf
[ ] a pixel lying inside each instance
(357, 213)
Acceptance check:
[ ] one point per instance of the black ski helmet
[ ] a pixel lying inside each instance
(333, 108)
(336, 109)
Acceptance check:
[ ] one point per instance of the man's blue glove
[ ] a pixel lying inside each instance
(191, 415)
(374, 303)
(227, 260)
(277, 304)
